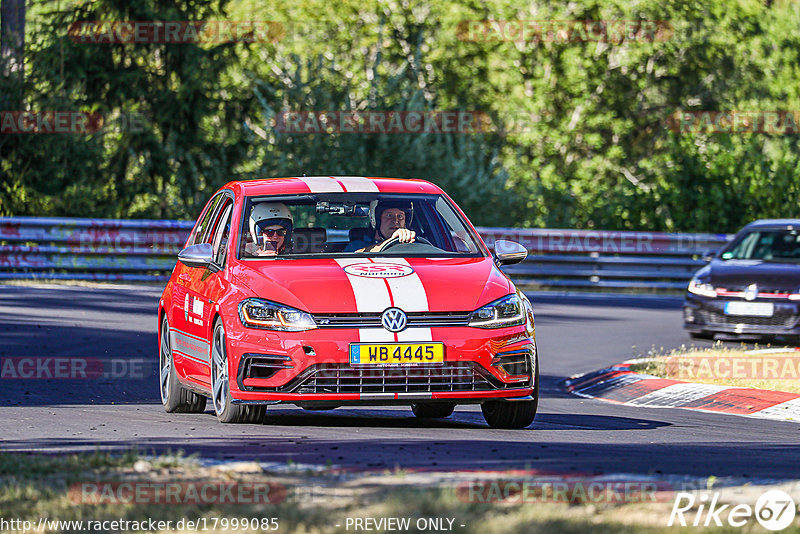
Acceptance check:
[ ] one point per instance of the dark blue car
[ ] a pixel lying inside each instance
(751, 288)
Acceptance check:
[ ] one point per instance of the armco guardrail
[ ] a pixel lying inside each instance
(145, 250)
(606, 259)
(89, 249)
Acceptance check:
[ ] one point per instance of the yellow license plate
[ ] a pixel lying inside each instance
(396, 353)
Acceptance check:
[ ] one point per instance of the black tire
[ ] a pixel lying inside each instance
(513, 414)
(224, 408)
(433, 410)
(174, 397)
(504, 414)
(702, 335)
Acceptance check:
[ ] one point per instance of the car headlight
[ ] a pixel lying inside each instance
(259, 313)
(507, 311)
(701, 288)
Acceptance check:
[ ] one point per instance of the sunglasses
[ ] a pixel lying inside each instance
(281, 232)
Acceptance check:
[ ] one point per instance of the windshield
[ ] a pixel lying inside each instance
(353, 224)
(768, 245)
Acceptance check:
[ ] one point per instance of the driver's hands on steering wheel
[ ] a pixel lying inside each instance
(401, 235)
(404, 235)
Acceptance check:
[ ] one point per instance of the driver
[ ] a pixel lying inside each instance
(389, 219)
(271, 226)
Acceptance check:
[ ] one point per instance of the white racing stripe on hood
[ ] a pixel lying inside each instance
(409, 295)
(357, 184)
(322, 184)
(372, 295)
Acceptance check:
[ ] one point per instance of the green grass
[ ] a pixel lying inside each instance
(36, 486)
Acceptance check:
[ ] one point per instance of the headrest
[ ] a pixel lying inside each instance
(308, 240)
(361, 234)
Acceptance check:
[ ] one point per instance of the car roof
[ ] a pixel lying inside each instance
(773, 223)
(331, 184)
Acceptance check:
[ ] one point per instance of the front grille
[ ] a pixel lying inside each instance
(344, 378)
(373, 320)
(779, 320)
(738, 291)
(742, 288)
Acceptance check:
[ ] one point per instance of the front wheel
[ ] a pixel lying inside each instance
(702, 335)
(505, 414)
(226, 410)
(513, 414)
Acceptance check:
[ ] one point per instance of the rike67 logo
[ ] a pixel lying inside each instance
(378, 270)
(775, 510)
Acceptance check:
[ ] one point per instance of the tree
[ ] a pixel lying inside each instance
(184, 93)
(12, 47)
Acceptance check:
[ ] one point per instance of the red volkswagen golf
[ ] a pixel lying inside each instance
(332, 291)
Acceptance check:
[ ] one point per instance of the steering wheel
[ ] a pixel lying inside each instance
(396, 241)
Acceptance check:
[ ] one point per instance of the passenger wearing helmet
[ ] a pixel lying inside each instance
(389, 220)
(271, 225)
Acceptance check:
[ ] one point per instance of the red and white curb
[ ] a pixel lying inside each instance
(620, 385)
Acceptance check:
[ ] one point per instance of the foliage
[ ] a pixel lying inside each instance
(171, 116)
(464, 164)
(583, 134)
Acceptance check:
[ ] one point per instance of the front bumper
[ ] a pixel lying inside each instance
(707, 315)
(313, 367)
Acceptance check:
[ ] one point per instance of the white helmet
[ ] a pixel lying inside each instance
(267, 211)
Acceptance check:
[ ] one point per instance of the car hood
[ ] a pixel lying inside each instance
(371, 285)
(733, 274)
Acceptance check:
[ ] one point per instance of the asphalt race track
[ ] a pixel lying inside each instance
(115, 329)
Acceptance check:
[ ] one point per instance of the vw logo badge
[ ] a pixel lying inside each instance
(394, 320)
(751, 292)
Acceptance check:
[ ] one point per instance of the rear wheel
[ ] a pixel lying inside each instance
(433, 410)
(226, 410)
(174, 397)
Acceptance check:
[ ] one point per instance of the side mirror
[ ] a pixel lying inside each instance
(509, 252)
(709, 255)
(201, 255)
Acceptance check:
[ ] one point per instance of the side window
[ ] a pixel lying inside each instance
(222, 233)
(202, 228)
